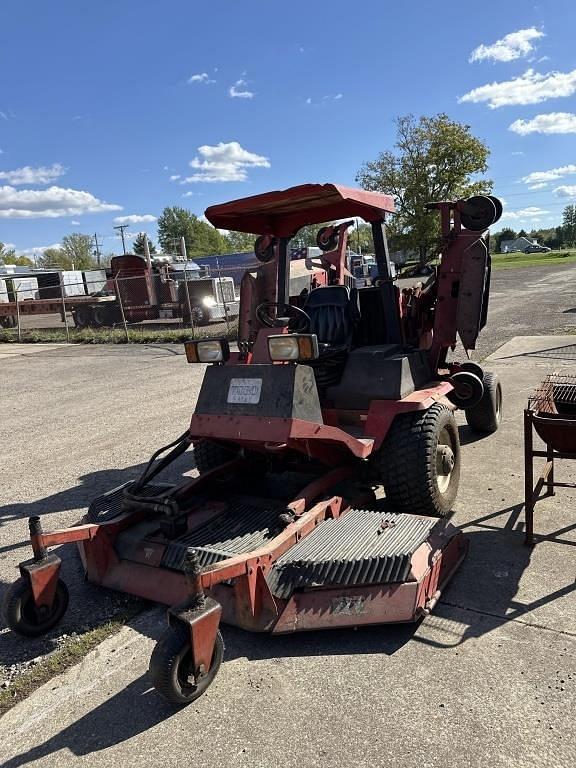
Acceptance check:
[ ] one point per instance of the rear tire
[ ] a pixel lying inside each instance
(171, 666)
(485, 417)
(209, 455)
(82, 317)
(420, 462)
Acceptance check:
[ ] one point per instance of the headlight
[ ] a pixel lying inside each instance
(293, 346)
(212, 351)
(209, 301)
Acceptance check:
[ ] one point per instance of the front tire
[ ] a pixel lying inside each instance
(485, 417)
(420, 462)
(171, 666)
(21, 614)
(199, 315)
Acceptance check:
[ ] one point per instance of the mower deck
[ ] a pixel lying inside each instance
(362, 567)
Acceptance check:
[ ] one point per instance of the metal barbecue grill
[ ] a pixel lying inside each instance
(551, 412)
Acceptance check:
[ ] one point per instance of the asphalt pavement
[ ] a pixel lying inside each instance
(488, 679)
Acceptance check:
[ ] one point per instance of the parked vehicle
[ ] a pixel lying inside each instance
(537, 249)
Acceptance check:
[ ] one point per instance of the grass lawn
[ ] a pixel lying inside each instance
(115, 335)
(515, 260)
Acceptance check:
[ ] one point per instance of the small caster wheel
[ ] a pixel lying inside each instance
(171, 666)
(21, 614)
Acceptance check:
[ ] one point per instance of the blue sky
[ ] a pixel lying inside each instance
(99, 106)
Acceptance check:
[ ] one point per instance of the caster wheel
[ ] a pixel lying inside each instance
(171, 666)
(21, 614)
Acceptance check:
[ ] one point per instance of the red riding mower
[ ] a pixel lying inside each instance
(333, 392)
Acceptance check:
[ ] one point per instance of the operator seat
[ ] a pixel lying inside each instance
(333, 312)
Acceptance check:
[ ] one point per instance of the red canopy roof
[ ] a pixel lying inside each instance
(284, 212)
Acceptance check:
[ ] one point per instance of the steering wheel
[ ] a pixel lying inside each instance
(283, 311)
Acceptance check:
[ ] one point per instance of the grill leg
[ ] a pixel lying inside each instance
(528, 479)
(550, 479)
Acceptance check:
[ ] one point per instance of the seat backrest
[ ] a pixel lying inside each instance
(332, 315)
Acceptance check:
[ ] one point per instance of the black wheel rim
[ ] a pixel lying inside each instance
(40, 619)
(188, 686)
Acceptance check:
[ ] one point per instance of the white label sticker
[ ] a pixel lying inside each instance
(245, 391)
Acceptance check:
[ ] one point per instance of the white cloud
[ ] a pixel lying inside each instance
(536, 177)
(239, 90)
(36, 250)
(532, 212)
(308, 100)
(51, 203)
(510, 47)
(539, 185)
(175, 177)
(518, 153)
(3, 115)
(553, 122)
(134, 218)
(566, 190)
(338, 96)
(529, 88)
(28, 175)
(75, 223)
(224, 162)
(202, 77)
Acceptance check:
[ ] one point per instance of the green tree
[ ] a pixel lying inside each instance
(435, 158)
(569, 225)
(201, 238)
(7, 255)
(499, 237)
(138, 244)
(240, 242)
(75, 252)
(51, 257)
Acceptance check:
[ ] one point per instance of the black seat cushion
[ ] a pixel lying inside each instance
(333, 315)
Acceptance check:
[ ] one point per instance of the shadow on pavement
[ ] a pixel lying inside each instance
(104, 726)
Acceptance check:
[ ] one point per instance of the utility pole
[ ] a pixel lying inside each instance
(122, 227)
(97, 247)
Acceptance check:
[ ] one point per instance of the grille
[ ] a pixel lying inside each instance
(243, 526)
(224, 290)
(556, 394)
(361, 547)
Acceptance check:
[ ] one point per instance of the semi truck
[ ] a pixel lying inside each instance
(134, 290)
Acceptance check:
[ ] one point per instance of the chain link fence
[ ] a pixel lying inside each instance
(131, 305)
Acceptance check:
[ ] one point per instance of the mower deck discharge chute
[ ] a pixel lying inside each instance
(333, 392)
